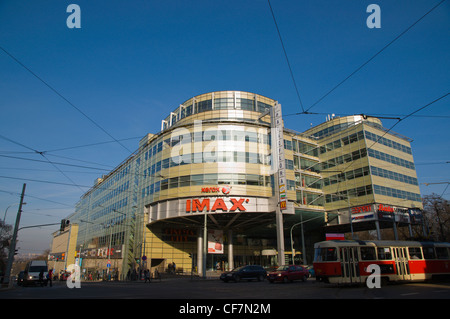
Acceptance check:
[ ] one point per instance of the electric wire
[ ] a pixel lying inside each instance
(286, 56)
(61, 96)
(399, 120)
(372, 58)
(43, 155)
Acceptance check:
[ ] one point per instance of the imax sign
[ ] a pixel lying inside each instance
(220, 204)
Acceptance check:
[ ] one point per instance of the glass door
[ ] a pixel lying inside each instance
(401, 263)
(350, 265)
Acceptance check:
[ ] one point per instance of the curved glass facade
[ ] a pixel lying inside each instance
(212, 159)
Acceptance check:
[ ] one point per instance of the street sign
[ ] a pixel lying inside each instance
(108, 265)
(144, 258)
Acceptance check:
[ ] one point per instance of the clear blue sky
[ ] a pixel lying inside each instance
(132, 62)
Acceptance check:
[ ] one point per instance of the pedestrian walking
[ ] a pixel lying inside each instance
(147, 276)
(41, 278)
(49, 277)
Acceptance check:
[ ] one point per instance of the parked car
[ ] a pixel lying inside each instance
(288, 274)
(248, 272)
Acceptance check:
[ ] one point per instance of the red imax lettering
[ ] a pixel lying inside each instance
(197, 205)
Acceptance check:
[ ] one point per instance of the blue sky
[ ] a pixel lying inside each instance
(132, 62)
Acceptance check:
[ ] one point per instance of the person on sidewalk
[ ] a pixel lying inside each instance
(147, 276)
(49, 277)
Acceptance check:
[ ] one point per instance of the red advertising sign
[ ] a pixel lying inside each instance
(195, 205)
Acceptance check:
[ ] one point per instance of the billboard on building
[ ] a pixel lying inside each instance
(215, 241)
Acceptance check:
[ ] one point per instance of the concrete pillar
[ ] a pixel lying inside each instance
(230, 250)
(200, 252)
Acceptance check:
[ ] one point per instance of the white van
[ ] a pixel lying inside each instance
(32, 272)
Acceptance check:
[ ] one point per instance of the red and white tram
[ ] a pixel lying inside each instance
(347, 261)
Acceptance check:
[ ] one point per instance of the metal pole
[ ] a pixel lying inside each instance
(12, 247)
(303, 241)
(301, 223)
(205, 245)
(350, 214)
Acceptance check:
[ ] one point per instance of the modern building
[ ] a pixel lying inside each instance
(223, 168)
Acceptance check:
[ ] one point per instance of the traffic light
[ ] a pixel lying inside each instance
(64, 224)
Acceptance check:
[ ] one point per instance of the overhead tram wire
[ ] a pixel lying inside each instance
(39, 198)
(286, 56)
(370, 59)
(57, 163)
(398, 121)
(64, 98)
(91, 144)
(43, 155)
(379, 115)
(409, 115)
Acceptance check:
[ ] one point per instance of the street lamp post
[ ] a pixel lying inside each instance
(12, 247)
(6, 211)
(292, 242)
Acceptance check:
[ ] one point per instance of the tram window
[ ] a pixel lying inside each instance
(428, 253)
(441, 253)
(384, 253)
(368, 253)
(325, 254)
(415, 253)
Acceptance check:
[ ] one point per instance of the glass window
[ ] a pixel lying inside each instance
(415, 253)
(326, 254)
(173, 182)
(253, 180)
(441, 252)
(368, 253)
(164, 184)
(384, 253)
(428, 253)
(184, 181)
(197, 179)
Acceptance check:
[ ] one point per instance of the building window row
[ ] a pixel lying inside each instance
(207, 136)
(397, 193)
(332, 130)
(111, 180)
(207, 179)
(349, 194)
(346, 140)
(387, 142)
(346, 158)
(112, 194)
(306, 198)
(359, 136)
(305, 148)
(212, 157)
(308, 181)
(227, 103)
(393, 175)
(346, 176)
(106, 210)
(391, 159)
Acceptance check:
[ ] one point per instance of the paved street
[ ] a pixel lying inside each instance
(183, 297)
(186, 288)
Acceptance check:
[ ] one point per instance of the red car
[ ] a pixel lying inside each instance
(288, 274)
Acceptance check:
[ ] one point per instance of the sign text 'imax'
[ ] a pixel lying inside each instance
(197, 205)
